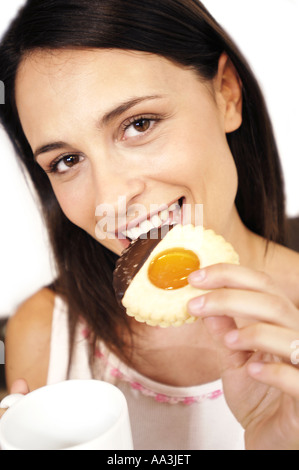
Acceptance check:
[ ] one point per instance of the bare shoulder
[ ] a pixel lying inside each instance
(28, 337)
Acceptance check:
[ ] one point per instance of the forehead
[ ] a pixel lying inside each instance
(57, 65)
(61, 80)
(64, 74)
(57, 87)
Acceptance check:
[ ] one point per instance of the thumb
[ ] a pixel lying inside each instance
(218, 327)
(19, 386)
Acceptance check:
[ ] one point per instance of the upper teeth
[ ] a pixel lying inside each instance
(156, 221)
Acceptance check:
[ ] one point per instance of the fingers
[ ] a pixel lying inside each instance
(233, 276)
(281, 376)
(267, 338)
(241, 293)
(247, 305)
(218, 327)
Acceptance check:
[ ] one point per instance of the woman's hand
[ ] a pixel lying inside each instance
(260, 379)
(19, 386)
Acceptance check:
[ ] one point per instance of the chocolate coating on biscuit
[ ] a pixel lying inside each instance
(133, 258)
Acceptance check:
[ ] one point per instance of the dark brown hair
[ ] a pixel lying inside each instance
(184, 32)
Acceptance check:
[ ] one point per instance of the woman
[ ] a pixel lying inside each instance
(152, 102)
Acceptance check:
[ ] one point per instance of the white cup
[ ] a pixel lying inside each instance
(70, 415)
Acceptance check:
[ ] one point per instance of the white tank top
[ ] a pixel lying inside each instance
(162, 417)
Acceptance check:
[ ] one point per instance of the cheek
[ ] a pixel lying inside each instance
(77, 206)
(199, 156)
(201, 161)
(211, 160)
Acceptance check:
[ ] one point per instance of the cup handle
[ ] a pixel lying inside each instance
(10, 400)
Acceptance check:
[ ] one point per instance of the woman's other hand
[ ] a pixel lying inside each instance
(19, 386)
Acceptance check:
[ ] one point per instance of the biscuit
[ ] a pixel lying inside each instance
(156, 290)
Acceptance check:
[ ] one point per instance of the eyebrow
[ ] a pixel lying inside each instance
(104, 121)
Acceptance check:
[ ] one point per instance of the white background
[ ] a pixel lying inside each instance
(268, 34)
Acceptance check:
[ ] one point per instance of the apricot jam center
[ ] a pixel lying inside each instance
(171, 268)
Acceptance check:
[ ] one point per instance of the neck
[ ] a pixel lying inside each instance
(178, 356)
(279, 262)
(250, 247)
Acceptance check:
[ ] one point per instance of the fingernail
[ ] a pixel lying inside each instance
(232, 337)
(197, 276)
(195, 305)
(255, 368)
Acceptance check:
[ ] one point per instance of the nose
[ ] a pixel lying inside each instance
(116, 188)
(115, 192)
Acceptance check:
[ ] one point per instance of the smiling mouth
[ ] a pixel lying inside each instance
(169, 216)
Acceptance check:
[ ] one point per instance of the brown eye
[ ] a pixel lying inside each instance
(139, 126)
(142, 125)
(63, 164)
(71, 160)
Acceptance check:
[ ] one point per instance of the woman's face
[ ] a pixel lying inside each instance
(120, 128)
